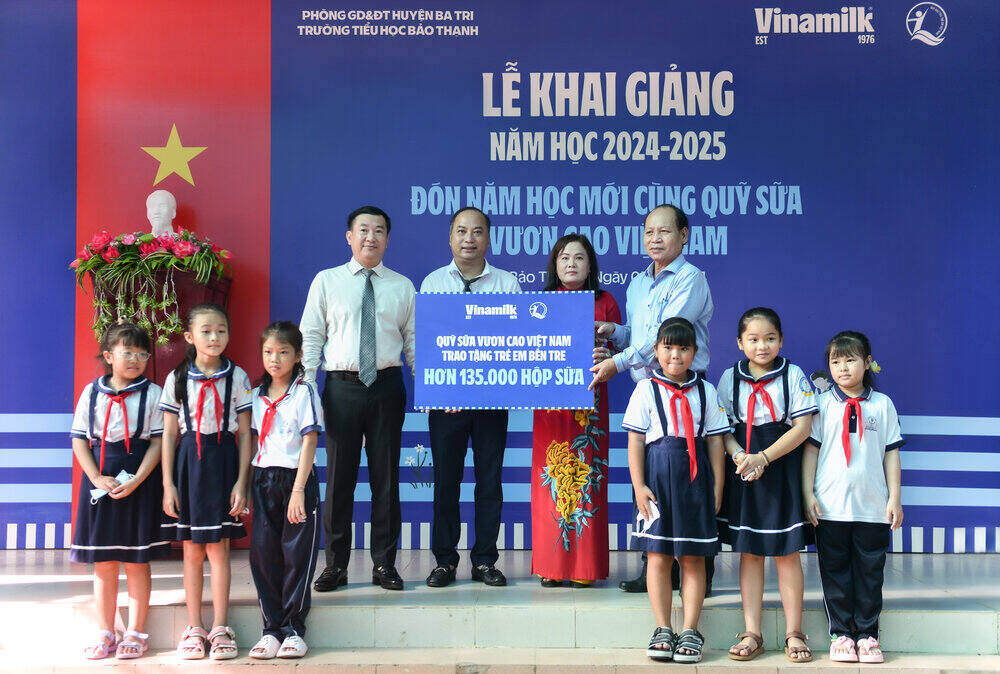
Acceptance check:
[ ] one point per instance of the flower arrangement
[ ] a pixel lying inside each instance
(133, 277)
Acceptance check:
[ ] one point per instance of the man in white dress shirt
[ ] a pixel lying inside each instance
(452, 430)
(357, 320)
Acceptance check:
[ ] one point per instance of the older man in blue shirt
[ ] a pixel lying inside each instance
(670, 286)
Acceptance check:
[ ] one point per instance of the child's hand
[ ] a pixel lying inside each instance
(297, 507)
(812, 509)
(643, 495)
(106, 482)
(894, 513)
(238, 500)
(750, 466)
(124, 489)
(171, 501)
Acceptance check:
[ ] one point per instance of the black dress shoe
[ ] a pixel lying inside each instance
(488, 574)
(387, 577)
(441, 576)
(551, 582)
(331, 578)
(636, 584)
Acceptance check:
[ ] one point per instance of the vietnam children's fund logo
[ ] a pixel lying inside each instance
(927, 22)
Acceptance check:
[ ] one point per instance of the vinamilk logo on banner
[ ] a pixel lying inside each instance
(927, 22)
(773, 21)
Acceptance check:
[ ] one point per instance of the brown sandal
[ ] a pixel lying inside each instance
(758, 648)
(790, 651)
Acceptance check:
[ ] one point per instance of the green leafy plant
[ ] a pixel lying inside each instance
(132, 276)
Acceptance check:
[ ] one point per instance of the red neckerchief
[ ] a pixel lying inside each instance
(757, 387)
(120, 399)
(688, 419)
(205, 385)
(265, 424)
(845, 433)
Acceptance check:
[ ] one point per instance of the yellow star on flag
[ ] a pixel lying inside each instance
(174, 157)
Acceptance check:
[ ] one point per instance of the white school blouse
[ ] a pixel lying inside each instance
(641, 416)
(240, 398)
(855, 491)
(152, 423)
(800, 392)
(297, 412)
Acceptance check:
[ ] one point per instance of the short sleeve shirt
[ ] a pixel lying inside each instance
(296, 413)
(800, 393)
(641, 416)
(855, 491)
(152, 422)
(240, 398)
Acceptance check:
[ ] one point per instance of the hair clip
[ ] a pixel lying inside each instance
(875, 367)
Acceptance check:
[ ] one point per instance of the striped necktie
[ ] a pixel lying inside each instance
(366, 348)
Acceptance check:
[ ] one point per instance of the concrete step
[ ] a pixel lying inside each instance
(943, 606)
(514, 660)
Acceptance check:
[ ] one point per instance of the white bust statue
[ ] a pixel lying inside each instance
(161, 208)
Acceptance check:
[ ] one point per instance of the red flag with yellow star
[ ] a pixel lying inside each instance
(176, 96)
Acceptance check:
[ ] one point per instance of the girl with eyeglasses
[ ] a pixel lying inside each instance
(116, 439)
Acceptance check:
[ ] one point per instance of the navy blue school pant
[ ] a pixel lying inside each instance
(282, 554)
(451, 434)
(851, 559)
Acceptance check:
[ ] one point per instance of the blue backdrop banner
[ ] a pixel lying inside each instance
(504, 350)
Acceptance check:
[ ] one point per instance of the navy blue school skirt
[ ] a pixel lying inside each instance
(121, 530)
(765, 517)
(686, 522)
(204, 486)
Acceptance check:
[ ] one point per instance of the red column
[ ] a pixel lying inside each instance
(205, 67)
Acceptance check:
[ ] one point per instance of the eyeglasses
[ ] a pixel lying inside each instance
(140, 356)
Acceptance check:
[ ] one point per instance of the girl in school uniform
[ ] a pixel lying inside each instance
(771, 403)
(851, 485)
(116, 439)
(206, 402)
(675, 454)
(286, 423)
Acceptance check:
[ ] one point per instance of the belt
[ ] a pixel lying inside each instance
(352, 375)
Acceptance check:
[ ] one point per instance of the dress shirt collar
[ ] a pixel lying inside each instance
(354, 267)
(673, 267)
(453, 269)
(743, 369)
(104, 385)
(262, 389)
(839, 394)
(225, 366)
(692, 379)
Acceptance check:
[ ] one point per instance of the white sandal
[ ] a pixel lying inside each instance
(293, 647)
(105, 643)
(266, 648)
(225, 650)
(192, 643)
(132, 640)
